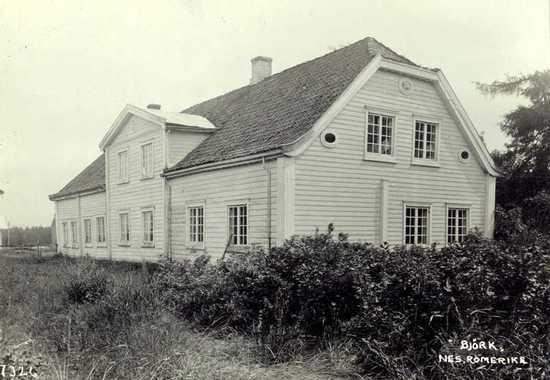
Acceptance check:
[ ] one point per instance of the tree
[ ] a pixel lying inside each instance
(526, 159)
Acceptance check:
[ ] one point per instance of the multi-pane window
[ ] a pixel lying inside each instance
(74, 233)
(416, 225)
(457, 224)
(147, 160)
(123, 166)
(238, 224)
(65, 235)
(124, 228)
(148, 227)
(100, 222)
(87, 231)
(425, 140)
(379, 134)
(196, 224)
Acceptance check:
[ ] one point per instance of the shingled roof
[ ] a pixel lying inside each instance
(283, 107)
(90, 179)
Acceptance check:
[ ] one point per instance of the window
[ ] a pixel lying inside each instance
(148, 227)
(123, 166)
(124, 229)
(147, 160)
(65, 235)
(328, 138)
(416, 225)
(238, 224)
(380, 134)
(196, 224)
(74, 234)
(425, 140)
(457, 224)
(100, 222)
(87, 231)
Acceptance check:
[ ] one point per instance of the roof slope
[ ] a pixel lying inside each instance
(91, 178)
(281, 108)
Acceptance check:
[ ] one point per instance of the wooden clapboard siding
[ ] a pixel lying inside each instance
(135, 195)
(216, 190)
(180, 143)
(67, 212)
(92, 206)
(336, 185)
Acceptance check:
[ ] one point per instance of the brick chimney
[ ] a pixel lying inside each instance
(261, 69)
(153, 106)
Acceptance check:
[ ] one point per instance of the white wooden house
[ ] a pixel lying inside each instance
(361, 137)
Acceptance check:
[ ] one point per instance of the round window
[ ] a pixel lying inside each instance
(328, 139)
(464, 155)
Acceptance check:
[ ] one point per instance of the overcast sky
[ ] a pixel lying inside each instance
(68, 67)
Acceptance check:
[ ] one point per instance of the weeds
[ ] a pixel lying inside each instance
(85, 319)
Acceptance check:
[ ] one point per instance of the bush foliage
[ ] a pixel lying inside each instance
(398, 308)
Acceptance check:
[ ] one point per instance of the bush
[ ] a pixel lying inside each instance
(415, 301)
(398, 307)
(87, 283)
(537, 212)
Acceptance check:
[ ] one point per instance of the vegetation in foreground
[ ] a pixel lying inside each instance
(80, 319)
(317, 307)
(395, 310)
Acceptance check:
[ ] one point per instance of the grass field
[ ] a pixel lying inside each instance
(124, 333)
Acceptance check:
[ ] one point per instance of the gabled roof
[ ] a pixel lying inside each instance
(161, 118)
(283, 107)
(90, 179)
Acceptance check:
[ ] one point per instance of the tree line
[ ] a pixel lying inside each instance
(26, 236)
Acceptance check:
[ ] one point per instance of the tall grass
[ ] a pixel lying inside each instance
(83, 319)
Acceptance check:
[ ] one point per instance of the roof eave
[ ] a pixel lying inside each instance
(239, 161)
(189, 128)
(74, 194)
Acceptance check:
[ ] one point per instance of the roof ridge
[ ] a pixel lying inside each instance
(274, 76)
(392, 51)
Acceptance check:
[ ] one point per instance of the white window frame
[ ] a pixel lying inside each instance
(74, 234)
(144, 173)
(121, 178)
(190, 242)
(98, 230)
(145, 229)
(429, 220)
(124, 242)
(456, 206)
(423, 161)
(87, 222)
(229, 232)
(66, 240)
(381, 157)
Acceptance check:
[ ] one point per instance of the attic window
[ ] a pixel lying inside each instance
(464, 155)
(328, 139)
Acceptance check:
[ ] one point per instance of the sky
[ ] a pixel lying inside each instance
(67, 68)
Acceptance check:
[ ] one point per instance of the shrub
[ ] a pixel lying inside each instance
(87, 283)
(400, 307)
(537, 210)
(415, 301)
